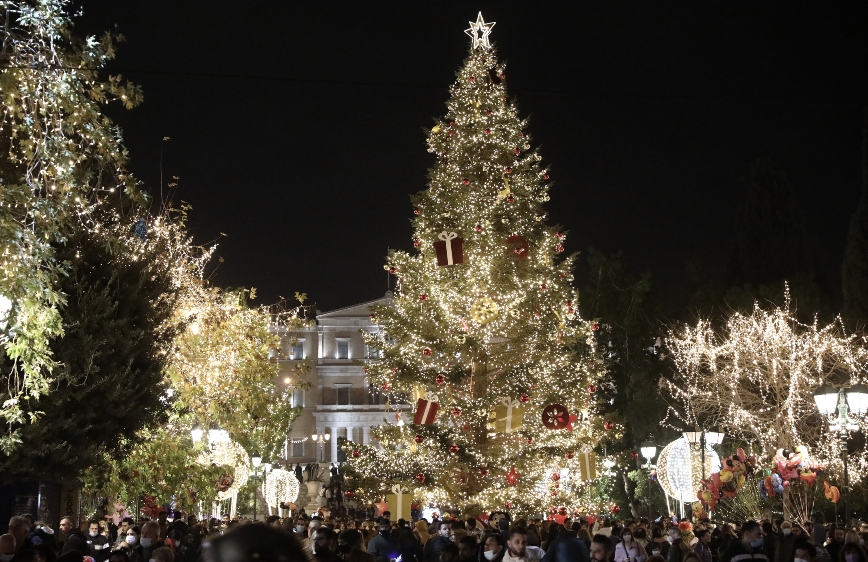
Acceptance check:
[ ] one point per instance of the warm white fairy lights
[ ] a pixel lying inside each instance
(756, 380)
(280, 487)
(500, 324)
(679, 470)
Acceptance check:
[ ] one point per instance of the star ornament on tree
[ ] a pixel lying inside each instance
(479, 32)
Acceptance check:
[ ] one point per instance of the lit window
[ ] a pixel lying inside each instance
(343, 348)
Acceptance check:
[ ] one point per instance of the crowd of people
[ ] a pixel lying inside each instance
(495, 539)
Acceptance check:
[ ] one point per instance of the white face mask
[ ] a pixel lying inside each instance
(146, 542)
(799, 560)
(131, 539)
(93, 533)
(786, 531)
(489, 555)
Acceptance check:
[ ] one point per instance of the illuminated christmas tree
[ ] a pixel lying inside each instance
(484, 340)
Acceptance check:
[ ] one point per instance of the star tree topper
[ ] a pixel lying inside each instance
(480, 27)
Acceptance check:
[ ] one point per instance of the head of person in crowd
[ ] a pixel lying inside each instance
(349, 540)
(517, 542)
(18, 528)
(312, 527)
(852, 552)
(443, 529)
(192, 520)
(163, 554)
(119, 555)
(126, 523)
(674, 534)
(384, 527)
(161, 516)
(132, 536)
(786, 528)
(601, 547)
(805, 551)
(837, 534)
(852, 536)
(704, 536)
(150, 534)
(326, 540)
(273, 520)
(751, 534)
(468, 548)
(449, 553)
(494, 547)
(253, 543)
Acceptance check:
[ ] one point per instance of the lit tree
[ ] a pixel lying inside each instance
(756, 379)
(496, 332)
(61, 156)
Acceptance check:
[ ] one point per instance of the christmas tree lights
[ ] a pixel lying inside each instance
(485, 329)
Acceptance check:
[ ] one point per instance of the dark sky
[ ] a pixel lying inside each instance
(297, 128)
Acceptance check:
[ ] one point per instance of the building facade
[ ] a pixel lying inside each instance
(338, 402)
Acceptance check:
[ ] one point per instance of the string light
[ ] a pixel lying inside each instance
(756, 380)
(479, 32)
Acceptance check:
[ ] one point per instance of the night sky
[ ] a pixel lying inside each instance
(298, 128)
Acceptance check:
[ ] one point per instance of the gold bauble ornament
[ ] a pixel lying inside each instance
(484, 310)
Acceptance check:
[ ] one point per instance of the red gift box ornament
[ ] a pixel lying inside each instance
(450, 248)
(426, 411)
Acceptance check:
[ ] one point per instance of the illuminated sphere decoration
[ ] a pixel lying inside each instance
(280, 486)
(226, 452)
(679, 470)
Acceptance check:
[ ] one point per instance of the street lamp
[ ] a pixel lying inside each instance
(648, 449)
(256, 460)
(845, 400)
(701, 440)
(321, 438)
(196, 433)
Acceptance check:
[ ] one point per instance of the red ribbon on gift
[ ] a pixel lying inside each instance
(426, 411)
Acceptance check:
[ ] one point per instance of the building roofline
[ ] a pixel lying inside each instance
(384, 298)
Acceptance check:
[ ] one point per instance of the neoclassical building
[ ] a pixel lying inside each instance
(339, 401)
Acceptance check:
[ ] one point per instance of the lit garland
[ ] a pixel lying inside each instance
(756, 381)
(502, 324)
(62, 159)
(280, 487)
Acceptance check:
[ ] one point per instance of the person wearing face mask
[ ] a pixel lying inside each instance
(383, 547)
(437, 542)
(629, 550)
(785, 543)
(97, 544)
(493, 548)
(131, 541)
(852, 552)
(749, 546)
(148, 541)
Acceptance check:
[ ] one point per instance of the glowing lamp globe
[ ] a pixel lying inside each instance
(679, 470)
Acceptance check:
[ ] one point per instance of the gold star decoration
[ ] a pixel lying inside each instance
(477, 28)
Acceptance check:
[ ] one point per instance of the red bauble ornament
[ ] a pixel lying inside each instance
(483, 471)
(472, 79)
(427, 352)
(569, 455)
(524, 398)
(510, 199)
(465, 181)
(596, 327)
(615, 509)
(420, 478)
(451, 133)
(386, 386)
(503, 76)
(530, 440)
(456, 412)
(478, 228)
(507, 505)
(553, 493)
(350, 494)
(520, 135)
(543, 286)
(357, 454)
(416, 211)
(559, 248)
(393, 270)
(487, 131)
(423, 298)
(634, 455)
(366, 370)
(568, 303)
(452, 123)
(516, 151)
(417, 243)
(553, 509)
(419, 438)
(563, 510)
(560, 235)
(556, 476)
(608, 426)
(592, 388)
(440, 379)
(508, 170)
(545, 176)
(453, 448)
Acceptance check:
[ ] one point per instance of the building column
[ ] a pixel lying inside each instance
(366, 435)
(350, 434)
(334, 440)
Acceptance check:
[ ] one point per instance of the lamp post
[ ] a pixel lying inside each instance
(700, 440)
(844, 400)
(648, 449)
(321, 438)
